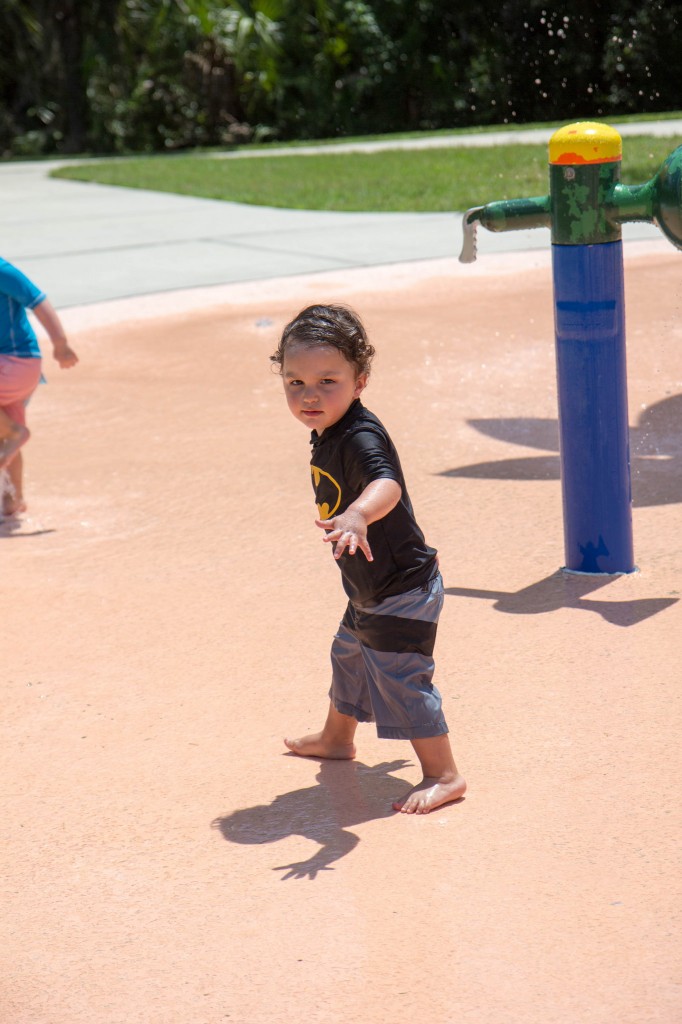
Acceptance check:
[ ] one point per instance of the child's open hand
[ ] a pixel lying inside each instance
(347, 532)
(64, 355)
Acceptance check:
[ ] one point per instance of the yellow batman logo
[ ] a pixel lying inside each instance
(326, 509)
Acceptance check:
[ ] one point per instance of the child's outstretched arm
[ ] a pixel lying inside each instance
(47, 315)
(349, 530)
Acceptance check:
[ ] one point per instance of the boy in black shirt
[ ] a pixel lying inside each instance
(382, 663)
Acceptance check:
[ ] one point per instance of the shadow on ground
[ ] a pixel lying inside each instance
(11, 526)
(348, 793)
(655, 443)
(567, 590)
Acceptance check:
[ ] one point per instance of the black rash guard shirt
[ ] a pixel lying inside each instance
(345, 459)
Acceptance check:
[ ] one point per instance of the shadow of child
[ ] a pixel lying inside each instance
(348, 793)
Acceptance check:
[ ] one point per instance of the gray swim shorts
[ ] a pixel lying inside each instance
(382, 664)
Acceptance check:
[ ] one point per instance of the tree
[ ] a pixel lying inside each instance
(24, 74)
(168, 81)
(643, 57)
(327, 69)
(150, 75)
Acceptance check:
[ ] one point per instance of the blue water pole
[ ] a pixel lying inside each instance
(589, 318)
(585, 209)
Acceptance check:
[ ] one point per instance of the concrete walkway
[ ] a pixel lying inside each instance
(86, 243)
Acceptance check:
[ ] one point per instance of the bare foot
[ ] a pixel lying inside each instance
(12, 506)
(317, 745)
(430, 794)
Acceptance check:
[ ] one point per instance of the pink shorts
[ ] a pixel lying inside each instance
(18, 380)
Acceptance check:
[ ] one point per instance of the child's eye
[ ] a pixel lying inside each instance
(328, 380)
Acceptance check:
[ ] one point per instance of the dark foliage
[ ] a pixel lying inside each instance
(115, 76)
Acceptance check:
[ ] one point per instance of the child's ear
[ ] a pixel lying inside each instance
(360, 384)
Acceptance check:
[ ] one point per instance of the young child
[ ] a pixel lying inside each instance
(382, 663)
(20, 370)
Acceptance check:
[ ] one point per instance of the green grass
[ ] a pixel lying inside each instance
(431, 180)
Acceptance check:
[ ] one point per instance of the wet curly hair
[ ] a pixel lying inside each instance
(337, 326)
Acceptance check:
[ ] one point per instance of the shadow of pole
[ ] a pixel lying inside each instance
(655, 443)
(566, 590)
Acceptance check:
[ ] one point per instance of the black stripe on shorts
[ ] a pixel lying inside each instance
(391, 633)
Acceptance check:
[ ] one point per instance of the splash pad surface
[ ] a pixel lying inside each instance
(170, 617)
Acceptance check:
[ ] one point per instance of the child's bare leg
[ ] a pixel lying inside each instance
(7, 424)
(334, 741)
(12, 436)
(13, 499)
(441, 784)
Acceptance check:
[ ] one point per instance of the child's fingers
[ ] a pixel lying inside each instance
(342, 542)
(352, 542)
(330, 534)
(344, 539)
(366, 549)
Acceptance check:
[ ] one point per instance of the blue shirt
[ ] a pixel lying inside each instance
(17, 294)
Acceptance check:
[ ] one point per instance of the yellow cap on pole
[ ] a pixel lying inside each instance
(587, 142)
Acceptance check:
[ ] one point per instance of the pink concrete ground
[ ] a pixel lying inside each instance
(167, 616)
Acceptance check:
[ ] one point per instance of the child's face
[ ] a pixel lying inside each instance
(319, 384)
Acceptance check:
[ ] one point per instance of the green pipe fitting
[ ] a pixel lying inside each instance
(587, 203)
